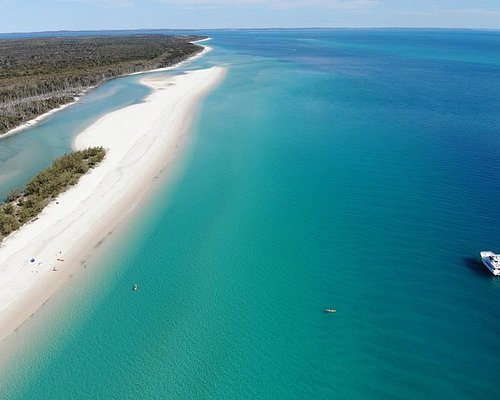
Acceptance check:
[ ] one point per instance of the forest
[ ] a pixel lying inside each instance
(40, 74)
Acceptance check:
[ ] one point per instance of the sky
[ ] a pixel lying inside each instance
(42, 15)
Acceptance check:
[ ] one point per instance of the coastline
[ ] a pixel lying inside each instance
(41, 117)
(141, 139)
(34, 121)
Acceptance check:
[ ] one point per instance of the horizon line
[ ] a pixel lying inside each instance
(255, 28)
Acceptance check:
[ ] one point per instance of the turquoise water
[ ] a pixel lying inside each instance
(347, 169)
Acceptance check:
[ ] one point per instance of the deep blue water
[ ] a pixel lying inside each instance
(354, 169)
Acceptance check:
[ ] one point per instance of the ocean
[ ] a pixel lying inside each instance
(347, 169)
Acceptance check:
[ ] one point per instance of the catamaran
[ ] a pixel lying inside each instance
(492, 261)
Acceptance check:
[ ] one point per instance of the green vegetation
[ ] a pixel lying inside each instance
(40, 74)
(24, 206)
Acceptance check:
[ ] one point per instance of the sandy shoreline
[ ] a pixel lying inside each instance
(141, 139)
(40, 118)
(205, 50)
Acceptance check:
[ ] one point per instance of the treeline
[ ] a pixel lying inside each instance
(23, 206)
(39, 74)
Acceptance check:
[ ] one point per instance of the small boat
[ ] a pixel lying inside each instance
(135, 287)
(329, 310)
(492, 261)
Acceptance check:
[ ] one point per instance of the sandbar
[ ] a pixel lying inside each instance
(140, 140)
(32, 122)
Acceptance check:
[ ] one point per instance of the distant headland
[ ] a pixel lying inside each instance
(38, 75)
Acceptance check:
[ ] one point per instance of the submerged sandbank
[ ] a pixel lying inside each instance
(140, 140)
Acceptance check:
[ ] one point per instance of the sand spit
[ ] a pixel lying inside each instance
(140, 140)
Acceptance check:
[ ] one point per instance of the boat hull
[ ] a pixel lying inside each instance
(488, 260)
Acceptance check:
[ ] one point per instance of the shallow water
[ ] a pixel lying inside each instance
(333, 168)
(24, 154)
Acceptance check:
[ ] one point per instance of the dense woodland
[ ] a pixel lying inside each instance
(39, 74)
(23, 206)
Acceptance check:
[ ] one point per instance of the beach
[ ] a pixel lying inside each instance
(333, 169)
(140, 141)
(32, 122)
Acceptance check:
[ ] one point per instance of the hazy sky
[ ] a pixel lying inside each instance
(37, 15)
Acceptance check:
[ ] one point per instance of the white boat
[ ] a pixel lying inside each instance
(492, 261)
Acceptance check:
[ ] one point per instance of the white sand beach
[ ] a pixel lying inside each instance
(140, 140)
(42, 117)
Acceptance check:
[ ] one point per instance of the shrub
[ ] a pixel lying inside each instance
(23, 206)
